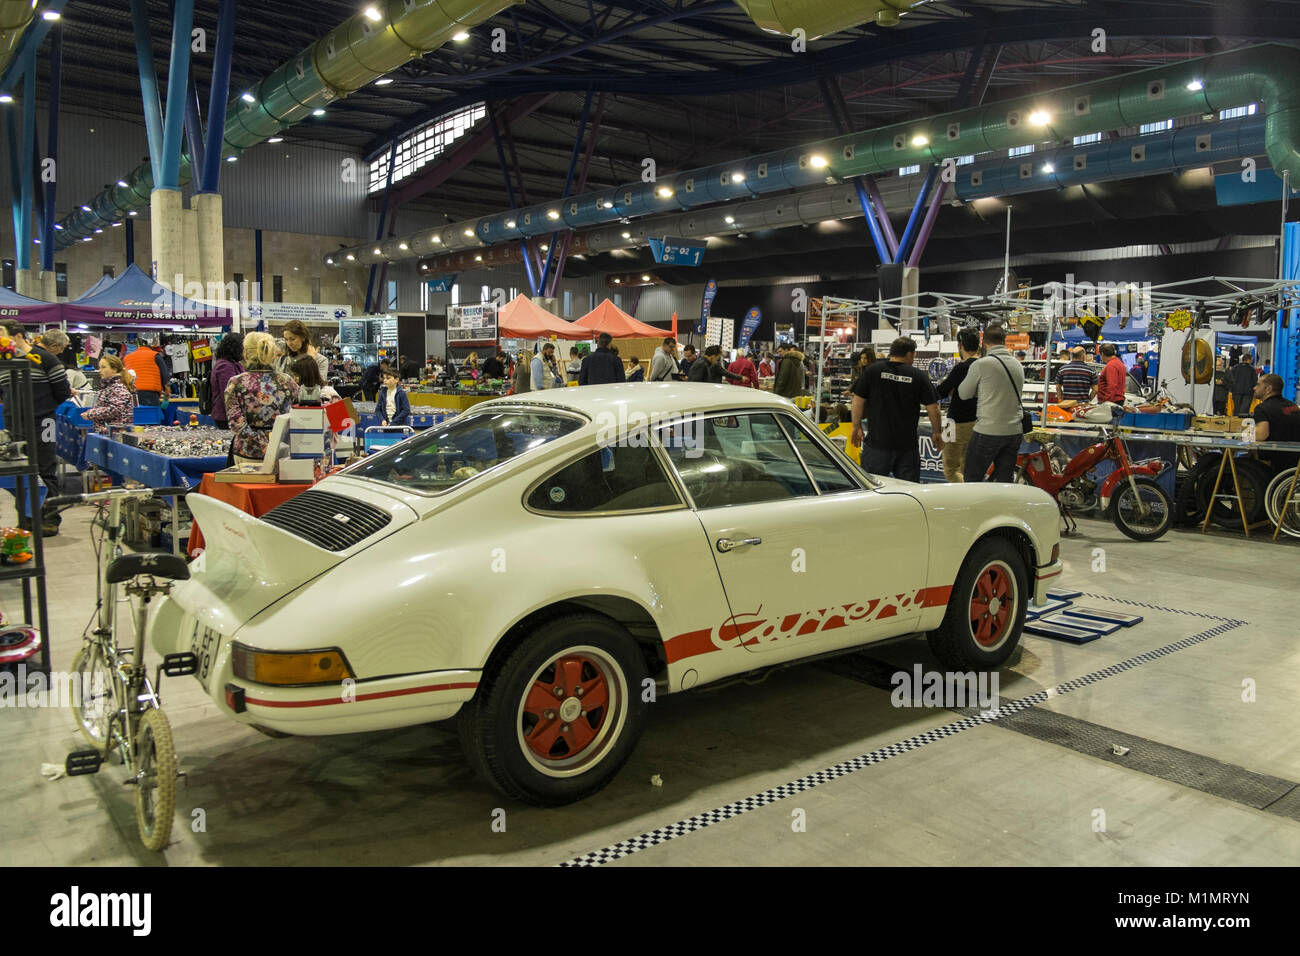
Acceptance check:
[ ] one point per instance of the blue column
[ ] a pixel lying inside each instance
(905, 243)
(194, 136)
(23, 238)
(153, 124)
(15, 174)
(129, 226)
(178, 74)
(56, 88)
(872, 223)
(217, 97)
(1286, 353)
(257, 263)
(553, 253)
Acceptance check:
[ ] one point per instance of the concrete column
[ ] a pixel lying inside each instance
(49, 287)
(167, 231)
(212, 257)
(190, 241)
(28, 282)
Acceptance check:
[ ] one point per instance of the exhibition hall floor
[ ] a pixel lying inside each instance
(1172, 742)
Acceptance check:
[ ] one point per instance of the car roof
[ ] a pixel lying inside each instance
(651, 398)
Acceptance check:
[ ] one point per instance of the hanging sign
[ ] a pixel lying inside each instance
(671, 251)
(747, 329)
(302, 311)
(710, 293)
(442, 284)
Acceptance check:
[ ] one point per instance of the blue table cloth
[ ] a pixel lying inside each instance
(419, 420)
(70, 431)
(147, 467)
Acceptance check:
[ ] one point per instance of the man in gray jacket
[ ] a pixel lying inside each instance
(997, 381)
(663, 367)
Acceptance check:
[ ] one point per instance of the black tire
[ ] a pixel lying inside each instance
(1186, 510)
(1254, 481)
(1123, 511)
(515, 745)
(992, 565)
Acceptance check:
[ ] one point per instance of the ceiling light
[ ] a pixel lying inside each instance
(318, 112)
(118, 223)
(373, 14)
(510, 224)
(97, 231)
(50, 15)
(60, 228)
(627, 235)
(424, 267)
(665, 192)
(545, 248)
(122, 183)
(85, 208)
(818, 162)
(351, 257)
(607, 205)
(1040, 117)
(329, 261)
(87, 239)
(478, 258)
(737, 177)
(1048, 168)
(232, 159)
(618, 282)
(276, 139)
(248, 98)
(6, 98)
(469, 233)
(403, 246)
(461, 36)
(38, 242)
(920, 139)
(133, 212)
(435, 238)
(383, 81)
(1196, 86)
(645, 278)
(378, 251)
(552, 214)
(731, 220)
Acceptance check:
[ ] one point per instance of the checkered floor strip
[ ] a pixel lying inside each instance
(644, 841)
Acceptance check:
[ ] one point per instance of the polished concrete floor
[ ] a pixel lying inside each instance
(1208, 776)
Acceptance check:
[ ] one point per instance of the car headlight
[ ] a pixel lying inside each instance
(290, 668)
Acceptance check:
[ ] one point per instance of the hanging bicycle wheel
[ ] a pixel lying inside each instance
(92, 696)
(155, 792)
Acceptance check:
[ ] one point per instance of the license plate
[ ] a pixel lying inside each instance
(204, 644)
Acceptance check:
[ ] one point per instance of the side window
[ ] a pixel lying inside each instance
(736, 460)
(826, 471)
(616, 478)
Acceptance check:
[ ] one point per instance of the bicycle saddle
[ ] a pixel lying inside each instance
(170, 566)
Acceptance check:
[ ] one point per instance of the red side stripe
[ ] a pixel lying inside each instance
(325, 702)
(689, 645)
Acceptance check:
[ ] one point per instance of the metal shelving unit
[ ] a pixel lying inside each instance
(20, 419)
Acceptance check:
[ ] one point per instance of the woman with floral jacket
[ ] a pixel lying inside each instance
(255, 398)
(115, 404)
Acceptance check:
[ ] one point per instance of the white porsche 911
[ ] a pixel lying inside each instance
(542, 566)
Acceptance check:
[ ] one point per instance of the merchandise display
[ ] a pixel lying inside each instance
(187, 442)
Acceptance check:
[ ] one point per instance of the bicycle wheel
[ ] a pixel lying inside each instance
(1143, 516)
(1276, 495)
(92, 696)
(155, 792)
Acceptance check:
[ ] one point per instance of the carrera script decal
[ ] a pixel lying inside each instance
(750, 629)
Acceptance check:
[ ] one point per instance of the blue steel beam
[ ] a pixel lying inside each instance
(218, 93)
(530, 271)
(178, 77)
(914, 220)
(153, 118)
(383, 218)
(553, 252)
(839, 111)
(31, 40)
(23, 238)
(52, 142)
(15, 175)
(194, 134)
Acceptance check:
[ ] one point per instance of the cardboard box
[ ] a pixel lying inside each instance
(244, 477)
(307, 443)
(306, 418)
(1217, 423)
(299, 469)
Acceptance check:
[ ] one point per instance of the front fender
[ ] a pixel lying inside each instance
(1152, 467)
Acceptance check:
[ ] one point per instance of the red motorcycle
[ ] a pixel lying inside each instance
(1129, 495)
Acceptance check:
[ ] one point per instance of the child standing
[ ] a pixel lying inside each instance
(392, 405)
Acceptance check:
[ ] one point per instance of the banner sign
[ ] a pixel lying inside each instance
(747, 329)
(710, 293)
(443, 284)
(671, 251)
(471, 324)
(302, 311)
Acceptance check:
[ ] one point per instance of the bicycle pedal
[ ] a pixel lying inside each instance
(180, 664)
(80, 763)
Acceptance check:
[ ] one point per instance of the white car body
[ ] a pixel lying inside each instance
(419, 608)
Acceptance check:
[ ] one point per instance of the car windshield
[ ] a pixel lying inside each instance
(446, 455)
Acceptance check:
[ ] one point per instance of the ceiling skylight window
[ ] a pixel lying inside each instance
(424, 145)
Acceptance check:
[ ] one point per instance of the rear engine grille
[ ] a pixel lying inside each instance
(327, 520)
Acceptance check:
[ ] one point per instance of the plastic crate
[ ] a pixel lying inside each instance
(1166, 421)
(147, 415)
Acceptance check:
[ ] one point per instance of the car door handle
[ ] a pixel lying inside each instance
(727, 544)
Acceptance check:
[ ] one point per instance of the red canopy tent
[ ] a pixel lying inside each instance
(523, 319)
(607, 317)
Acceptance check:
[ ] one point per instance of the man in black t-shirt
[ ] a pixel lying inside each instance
(889, 394)
(1276, 419)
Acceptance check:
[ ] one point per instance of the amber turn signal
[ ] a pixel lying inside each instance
(290, 669)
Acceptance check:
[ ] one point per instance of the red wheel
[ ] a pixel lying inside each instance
(564, 716)
(992, 605)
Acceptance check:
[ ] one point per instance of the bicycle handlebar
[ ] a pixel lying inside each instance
(121, 493)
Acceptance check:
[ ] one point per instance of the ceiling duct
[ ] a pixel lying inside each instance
(15, 17)
(350, 56)
(1196, 87)
(821, 17)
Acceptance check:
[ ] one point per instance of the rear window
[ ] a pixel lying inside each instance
(443, 457)
(616, 478)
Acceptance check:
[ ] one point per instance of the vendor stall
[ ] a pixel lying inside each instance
(28, 311)
(133, 299)
(607, 317)
(162, 458)
(521, 318)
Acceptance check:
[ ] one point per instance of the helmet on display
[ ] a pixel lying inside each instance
(1204, 371)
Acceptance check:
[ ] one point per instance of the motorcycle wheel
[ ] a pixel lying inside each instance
(1144, 516)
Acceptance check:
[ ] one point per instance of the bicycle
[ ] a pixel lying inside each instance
(117, 707)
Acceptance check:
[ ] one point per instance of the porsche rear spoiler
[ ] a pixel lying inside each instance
(246, 565)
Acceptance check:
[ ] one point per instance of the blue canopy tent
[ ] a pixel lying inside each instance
(134, 299)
